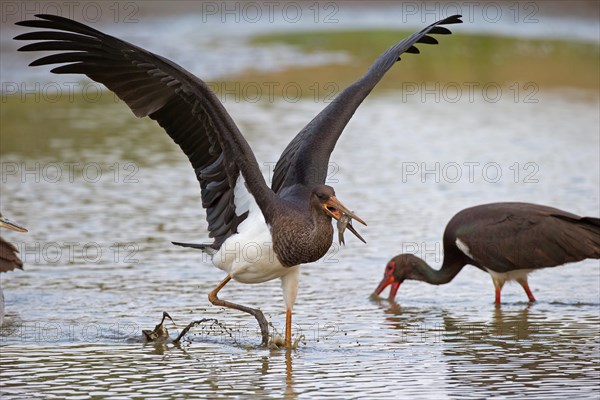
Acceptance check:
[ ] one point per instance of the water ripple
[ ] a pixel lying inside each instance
(73, 327)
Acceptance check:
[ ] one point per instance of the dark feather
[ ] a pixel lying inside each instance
(199, 246)
(181, 103)
(305, 160)
(427, 40)
(186, 108)
(509, 236)
(9, 257)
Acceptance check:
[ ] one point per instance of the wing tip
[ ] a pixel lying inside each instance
(198, 246)
(59, 23)
(433, 29)
(453, 19)
(46, 17)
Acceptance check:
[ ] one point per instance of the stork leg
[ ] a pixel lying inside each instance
(262, 321)
(498, 284)
(525, 285)
(498, 295)
(288, 328)
(289, 284)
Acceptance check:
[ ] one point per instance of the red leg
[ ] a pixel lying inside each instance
(498, 284)
(498, 295)
(528, 291)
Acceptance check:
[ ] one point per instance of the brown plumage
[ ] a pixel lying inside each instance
(9, 257)
(507, 240)
(294, 244)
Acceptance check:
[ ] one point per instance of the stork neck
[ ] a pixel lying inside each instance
(438, 277)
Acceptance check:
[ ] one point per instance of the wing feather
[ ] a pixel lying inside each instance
(306, 158)
(183, 105)
(511, 236)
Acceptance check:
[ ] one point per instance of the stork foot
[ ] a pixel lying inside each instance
(525, 286)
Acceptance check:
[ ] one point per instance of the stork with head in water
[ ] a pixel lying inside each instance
(506, 240)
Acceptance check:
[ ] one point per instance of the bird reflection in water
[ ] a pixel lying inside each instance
(436, 325)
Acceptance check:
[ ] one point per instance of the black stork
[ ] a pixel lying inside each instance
(9, 258)
(291, 221)
(506, 240)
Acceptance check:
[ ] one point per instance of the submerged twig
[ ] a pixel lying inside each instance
(198, 322)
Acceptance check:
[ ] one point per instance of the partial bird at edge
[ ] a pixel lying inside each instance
(9, 256)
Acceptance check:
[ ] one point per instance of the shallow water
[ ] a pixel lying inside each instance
(100, 266)
(104, 194)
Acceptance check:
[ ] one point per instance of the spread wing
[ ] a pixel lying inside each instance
(529, 236)
(306, 158)
(182, 104)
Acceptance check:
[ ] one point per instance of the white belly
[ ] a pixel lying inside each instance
(519, 275)
(248, 255)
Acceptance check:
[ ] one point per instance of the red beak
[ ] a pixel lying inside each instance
(388, 280)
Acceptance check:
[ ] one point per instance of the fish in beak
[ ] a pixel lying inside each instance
(336, 210)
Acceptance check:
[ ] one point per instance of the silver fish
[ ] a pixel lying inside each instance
(344, 222)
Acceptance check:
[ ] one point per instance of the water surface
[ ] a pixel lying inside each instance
(104, 194)
(100, 266)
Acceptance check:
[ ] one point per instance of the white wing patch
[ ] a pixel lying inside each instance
(464, 248)
(242, 197)
(499, 278)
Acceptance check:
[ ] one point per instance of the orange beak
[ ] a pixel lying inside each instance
(335, 209)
